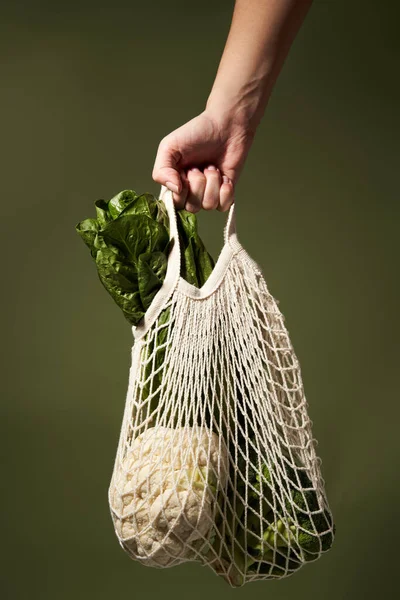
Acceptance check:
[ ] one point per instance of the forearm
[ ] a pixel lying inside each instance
(260, 37)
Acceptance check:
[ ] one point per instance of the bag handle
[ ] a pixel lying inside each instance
(230, 227)
(172, 276)
(175, 255)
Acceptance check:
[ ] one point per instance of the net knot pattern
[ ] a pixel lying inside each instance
(216, 462)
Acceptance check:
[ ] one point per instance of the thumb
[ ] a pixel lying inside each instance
(165, 169)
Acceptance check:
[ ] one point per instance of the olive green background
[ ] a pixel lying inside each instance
(88, 91)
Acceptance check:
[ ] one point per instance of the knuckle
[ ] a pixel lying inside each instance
(164, 148)
(164, 143)
(198, 180)
(156, 176)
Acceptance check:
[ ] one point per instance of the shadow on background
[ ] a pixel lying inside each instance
(88, 91)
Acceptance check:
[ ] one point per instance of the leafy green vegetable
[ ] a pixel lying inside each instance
(88, 231)
(120, 202)
(152, 268)
(197, 264)
(102, 212)
(129, 241)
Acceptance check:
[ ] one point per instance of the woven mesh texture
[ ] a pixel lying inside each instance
(216, 461)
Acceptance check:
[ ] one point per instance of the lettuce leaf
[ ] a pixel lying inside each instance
(196, 264)
(129, 241)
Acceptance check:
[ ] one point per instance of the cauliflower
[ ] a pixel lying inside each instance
(162, 494)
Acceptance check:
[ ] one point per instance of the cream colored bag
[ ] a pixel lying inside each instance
(216, 461)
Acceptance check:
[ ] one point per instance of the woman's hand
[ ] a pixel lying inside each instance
(201, 161)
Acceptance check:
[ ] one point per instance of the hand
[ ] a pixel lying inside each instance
(201, 161)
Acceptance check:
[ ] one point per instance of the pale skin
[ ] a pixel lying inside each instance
(200, 162)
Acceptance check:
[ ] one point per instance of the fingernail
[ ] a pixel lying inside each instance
(212, 168)
(195, 169)
(172, 187)
(225, 179)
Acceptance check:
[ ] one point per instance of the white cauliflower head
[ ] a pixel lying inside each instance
(163, 492)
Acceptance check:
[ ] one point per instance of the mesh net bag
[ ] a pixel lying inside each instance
(216, 462)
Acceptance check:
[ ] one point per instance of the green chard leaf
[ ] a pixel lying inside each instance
(188, 267)
(88, 230)
(129, 241)
(204, 262)
(114, 268)
(197, 263)
(152, 267)
(135, 235)
(142, 205)
(120, 202)
(102, 212)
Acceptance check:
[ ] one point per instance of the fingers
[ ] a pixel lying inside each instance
(211, 193)
(180, 199)
(195, 189)
(208, 190)
(225, 194)
(197, 185)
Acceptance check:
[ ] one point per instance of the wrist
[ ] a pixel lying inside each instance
(241, 108)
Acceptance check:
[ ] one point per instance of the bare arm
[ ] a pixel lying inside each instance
(260, 37)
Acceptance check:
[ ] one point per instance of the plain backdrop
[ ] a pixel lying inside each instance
(88, 89)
